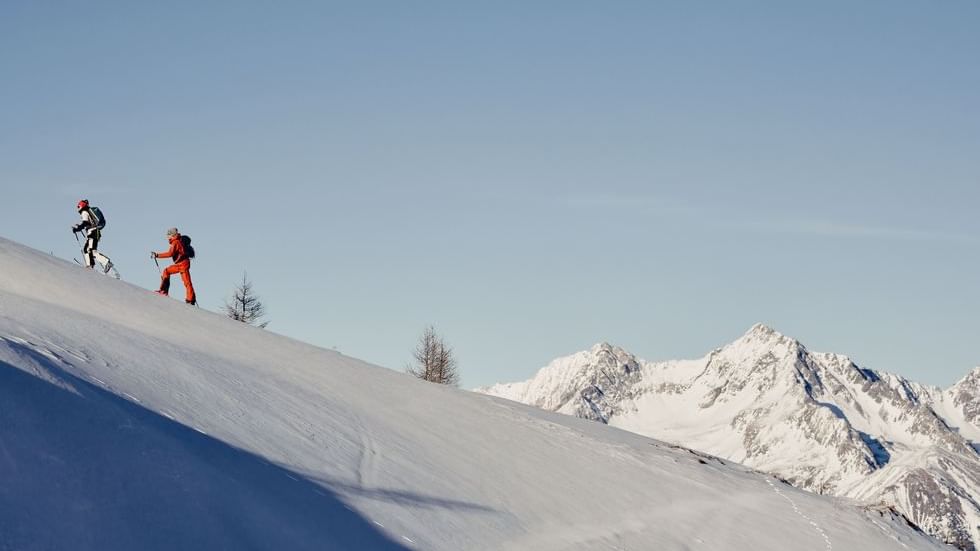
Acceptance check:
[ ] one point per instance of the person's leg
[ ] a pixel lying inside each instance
(165, 279)
(87, 256)
(93, 252)
(190, 297)
(103, 260)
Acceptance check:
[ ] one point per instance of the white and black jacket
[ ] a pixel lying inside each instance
(89, 223)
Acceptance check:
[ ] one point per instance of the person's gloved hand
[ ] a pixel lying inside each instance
(153, 254)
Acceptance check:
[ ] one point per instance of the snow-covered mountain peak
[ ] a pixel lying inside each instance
(762, 330)
(757, 362)
(816, 419)
(971, 381)
(761, 339)
(563, 381)
(965, 397)
(605, 348)
(608, 355)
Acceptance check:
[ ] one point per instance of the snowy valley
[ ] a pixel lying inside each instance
(817, 420)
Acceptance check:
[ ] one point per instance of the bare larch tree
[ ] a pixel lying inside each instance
(434, 361)
(245, 306)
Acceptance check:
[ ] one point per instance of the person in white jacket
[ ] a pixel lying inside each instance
(91, 226)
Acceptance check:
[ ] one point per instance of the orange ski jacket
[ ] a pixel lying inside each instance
(176, 252)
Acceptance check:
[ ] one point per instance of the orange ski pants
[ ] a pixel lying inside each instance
(184, 269)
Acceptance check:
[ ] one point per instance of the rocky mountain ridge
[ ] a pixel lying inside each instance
(818, 420)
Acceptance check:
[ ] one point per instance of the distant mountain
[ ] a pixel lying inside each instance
(817, 420)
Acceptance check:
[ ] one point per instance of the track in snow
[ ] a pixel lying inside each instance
(810, 521)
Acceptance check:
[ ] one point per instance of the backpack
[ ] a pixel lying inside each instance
(186, 242)
(99, 217)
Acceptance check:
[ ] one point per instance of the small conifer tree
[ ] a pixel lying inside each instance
(245, 306)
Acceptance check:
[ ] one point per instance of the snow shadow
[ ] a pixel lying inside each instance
(83, 469)
(881, 454)
(878, 450)
(838, 412)
(407, 498)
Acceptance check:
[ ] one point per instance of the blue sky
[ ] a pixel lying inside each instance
(530, 178)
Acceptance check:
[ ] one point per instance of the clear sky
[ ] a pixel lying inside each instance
(529, 177)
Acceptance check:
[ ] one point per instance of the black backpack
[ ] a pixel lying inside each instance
(97, 213)
(186, 242)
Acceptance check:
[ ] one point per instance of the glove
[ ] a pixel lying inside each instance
(153, 255)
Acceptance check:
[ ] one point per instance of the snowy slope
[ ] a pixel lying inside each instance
(131, 421)
(817, 420)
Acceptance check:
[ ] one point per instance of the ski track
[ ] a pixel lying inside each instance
(53, 346)
(885, 530)
(367, 461)
(367, 466)
(802, 515)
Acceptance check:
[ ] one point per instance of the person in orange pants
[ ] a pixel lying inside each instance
(181, 253)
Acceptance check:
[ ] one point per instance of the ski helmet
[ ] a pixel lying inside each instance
(83, 204)
(172, 231)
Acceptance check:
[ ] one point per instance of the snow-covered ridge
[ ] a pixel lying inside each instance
(131, 421)
(816, 419)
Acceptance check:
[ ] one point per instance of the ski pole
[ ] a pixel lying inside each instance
(154, 257)
(75, 233)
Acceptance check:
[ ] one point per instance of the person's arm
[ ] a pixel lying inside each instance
(168, 254)
(83, 225)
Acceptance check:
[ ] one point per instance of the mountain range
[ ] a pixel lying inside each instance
(817, 420)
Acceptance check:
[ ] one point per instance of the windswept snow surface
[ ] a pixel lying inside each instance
(131, 421)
